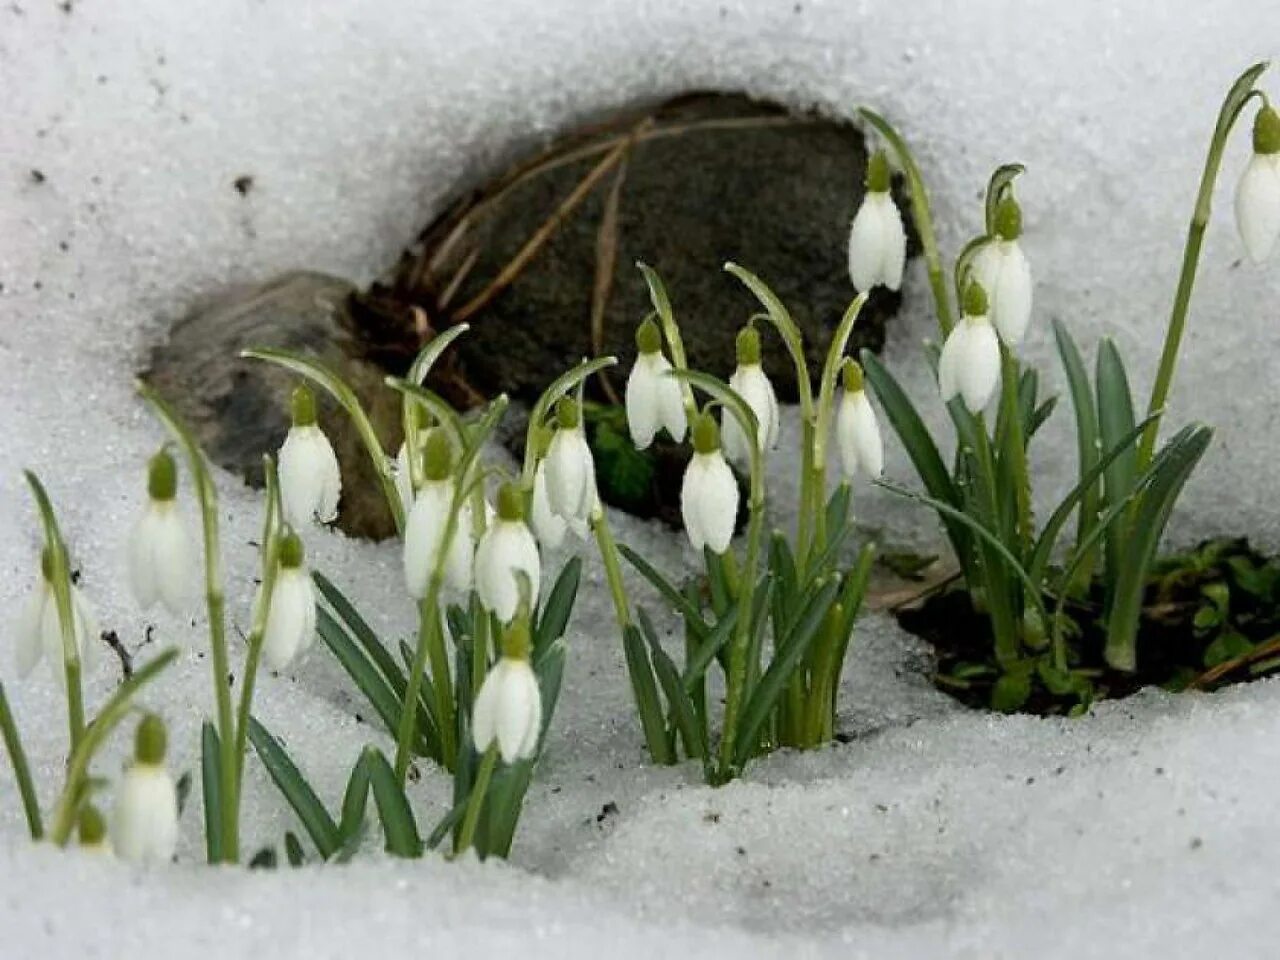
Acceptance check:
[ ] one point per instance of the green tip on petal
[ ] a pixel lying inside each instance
(748, 346)
(510, 502)
(516, 641)
(1266, 131)
(291, 552)
(303, 406)
(852, 373)
(568, 413)
(706, 435)
(150, 742)
(437, 456)
(91, 826)
(1008, 218)
(648, 337)
(878, 174)
(975, 300)
(162, 476)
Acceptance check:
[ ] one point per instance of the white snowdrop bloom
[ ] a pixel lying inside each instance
(750, 382)
(970, 361)
(1258, 192)
(857, 430)
(508, 708)
(427, 525)
(877, 240)
(144, 821)
(1002, 269)
(506, 550)
(653, 398)
(547, 526)
(161, 563)
(403, 470)
(291, 620)
(39, 629)
(310, 483)
(571, 470)
(709, 493)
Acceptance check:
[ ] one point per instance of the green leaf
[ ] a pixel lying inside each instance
(1115, 421)
(293, 849)
(358, 628)
(211, 788)
(295, 789)
(791, 653)
(1001, 180)
(1229, 645)
(1011, 692)
(1088, 439)
(709, 648)
(558, 607)
(689, 723)
(625, 473)
(645, 688)
(691, 614)
(1169, 473)
(354, 800)
(398, 824)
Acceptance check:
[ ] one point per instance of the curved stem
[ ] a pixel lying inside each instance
(21, 769)
(1239, 95)
(612, 568)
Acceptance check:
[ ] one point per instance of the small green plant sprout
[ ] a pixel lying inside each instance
(1035, 591)
(475, 574)
(144, 820)
(776, 623)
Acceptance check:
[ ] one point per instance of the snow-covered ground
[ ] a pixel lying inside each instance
(1145, 830)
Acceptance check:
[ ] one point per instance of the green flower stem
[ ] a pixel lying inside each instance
(430, 644)
(258, 629)
(1239, 95)
(923, 218)
(476, 801)
(671, 333)
(1000, 602)
(206, 493)
(60, 581)
(21, 770)
(115, 710)
(1016, 449)
(612, 567)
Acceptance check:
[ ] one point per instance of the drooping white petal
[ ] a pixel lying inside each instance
(641, 398)
(978, 366)
(858, 435)
(949, 361)
(671, 412)
(1257, 205)
(424, 532)
(877, 243)
(310, 482)
(404, 478)
(1002, 269)
(571, 475)
(753, 385)
(292, 618)
(144, 821)
(508, 709)
(709, 501)
(548, 527)
(161, 562)
(28, 646)
(507, 548)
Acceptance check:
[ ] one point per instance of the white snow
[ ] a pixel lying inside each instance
(1144, 830)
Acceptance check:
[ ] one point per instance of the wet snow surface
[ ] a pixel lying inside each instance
(1145, 830)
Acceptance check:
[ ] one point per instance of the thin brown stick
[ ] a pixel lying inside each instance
(544, 233)
(1214, 674)
(459, 275)
(606, 262)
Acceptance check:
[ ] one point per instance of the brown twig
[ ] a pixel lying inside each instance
(544, 233)
(1214, 674)
(606, 262)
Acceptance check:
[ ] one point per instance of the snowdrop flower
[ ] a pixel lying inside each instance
(509, 706)
(709, 494)
(39, 630)
(571, 470)
(144, 822)
(877, 241)
(92, 829)
(309, 479)
(857, 431)
(547, 526)
(506, 550)
(161, 565)
(291, 620)
(403, 470)
(1001, 268)
(1258, 193)
(653, 398)
(970, 362)
(428, 520)
(750, 382)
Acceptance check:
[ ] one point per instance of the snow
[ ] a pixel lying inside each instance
(1145, 829)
